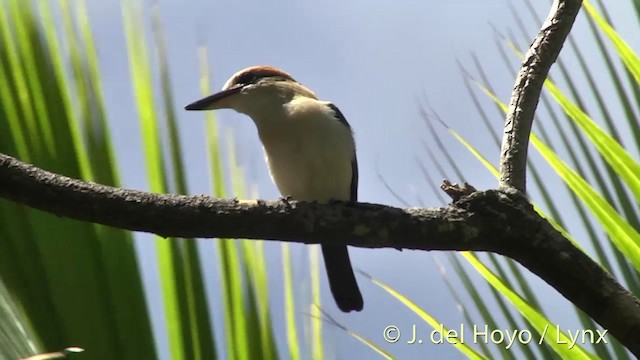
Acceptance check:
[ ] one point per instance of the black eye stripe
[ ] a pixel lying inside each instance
(247, 78)
(253, 78)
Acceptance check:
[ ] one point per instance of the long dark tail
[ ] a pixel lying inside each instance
(342, 281)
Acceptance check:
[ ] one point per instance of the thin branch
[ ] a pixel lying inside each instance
(480, 221)
(542, 53)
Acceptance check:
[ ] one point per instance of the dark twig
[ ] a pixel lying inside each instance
(455, 191)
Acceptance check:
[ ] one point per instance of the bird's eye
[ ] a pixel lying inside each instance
(247, 78)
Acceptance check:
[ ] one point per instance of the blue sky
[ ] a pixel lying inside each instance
(377, 61)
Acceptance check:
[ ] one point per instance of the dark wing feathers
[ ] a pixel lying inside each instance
(354, 162)
(354, 179)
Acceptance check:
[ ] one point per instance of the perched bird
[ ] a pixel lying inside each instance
(309, 149)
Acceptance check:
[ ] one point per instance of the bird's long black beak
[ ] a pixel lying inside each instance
(209, 102)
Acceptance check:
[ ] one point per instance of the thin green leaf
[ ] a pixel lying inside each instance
(548, 332)
(626, 239)
(619, 159)
(289, 304)
(457, 341)
(625, 52)
(317, 349)
(170, 266)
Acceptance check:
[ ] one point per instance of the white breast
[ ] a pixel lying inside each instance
(309, 153)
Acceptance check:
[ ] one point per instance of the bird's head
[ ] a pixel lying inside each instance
(254, 90)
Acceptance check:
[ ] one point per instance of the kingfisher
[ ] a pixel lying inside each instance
(309, 149)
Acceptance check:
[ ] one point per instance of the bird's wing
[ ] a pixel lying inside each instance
(354, 178)
(354, 161)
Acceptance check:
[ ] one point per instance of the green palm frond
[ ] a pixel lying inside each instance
(80, 284)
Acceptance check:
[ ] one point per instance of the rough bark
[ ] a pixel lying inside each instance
(499, 221)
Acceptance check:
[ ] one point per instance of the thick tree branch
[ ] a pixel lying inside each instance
(542, 53)
(497, 221)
